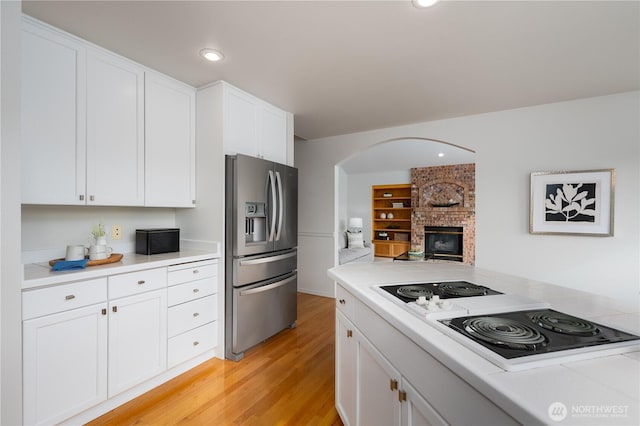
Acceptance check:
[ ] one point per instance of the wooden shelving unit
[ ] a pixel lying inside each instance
(391, 236)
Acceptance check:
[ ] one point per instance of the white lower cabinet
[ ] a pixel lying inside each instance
(377, 382)
(193, 310)
(65, 363)
(345, 370)
(369, 390)
(87, 341)
(137, 339)
(383, 378)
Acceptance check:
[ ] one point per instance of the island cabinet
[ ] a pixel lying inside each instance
(84, 126)
(382, 377)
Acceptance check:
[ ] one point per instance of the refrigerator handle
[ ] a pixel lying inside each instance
(280, 206)
(272, 183)
(268, 286)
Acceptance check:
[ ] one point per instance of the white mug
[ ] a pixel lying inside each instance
(99, 252)
(75, 253)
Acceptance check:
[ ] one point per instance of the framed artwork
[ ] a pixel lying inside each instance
(572, 203)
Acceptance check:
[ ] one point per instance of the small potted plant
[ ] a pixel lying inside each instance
(99, 234)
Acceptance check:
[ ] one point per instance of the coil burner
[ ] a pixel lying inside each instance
(462, 289)
(414, 291)
(563, 323)
(505, 332)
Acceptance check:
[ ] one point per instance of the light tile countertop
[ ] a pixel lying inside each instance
(585, 387)
(40, 274)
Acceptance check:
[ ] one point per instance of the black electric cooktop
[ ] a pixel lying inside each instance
(523, 333)
(445, 290)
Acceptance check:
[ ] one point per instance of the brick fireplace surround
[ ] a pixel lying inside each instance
(432, 187)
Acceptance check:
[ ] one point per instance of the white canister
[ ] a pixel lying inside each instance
(389, 215)
(383, 216)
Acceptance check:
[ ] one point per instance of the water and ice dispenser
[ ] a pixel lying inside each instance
(255, 222)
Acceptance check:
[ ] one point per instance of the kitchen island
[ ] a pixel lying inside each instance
(394, 367)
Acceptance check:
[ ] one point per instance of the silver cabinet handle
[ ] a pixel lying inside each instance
(141, 282)
(195, 271)
(195, 290)
(195, 314)
(196, 343)
(92, 198)
(81, 197)
(342, 301)
(69, 297)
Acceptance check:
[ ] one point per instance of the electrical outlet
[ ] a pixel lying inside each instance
(116, 232)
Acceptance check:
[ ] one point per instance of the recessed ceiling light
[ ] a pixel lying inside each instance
(424, 3)
(212, 55)
(441, 154)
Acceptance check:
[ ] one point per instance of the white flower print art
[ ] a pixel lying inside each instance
(574, 203)
(569, 202)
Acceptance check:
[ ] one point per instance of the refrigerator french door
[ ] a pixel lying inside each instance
(260, 251)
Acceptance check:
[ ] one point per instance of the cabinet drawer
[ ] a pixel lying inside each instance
(192, 271)
(191, 290)
(36, 303)
(137, 282)
(192, 343)
(345, 302)
(193, 314)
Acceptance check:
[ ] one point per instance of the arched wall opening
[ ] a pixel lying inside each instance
(386, 162)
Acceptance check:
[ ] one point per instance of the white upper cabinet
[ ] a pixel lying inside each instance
(115, 131)
(53, 118)
(254, 127)
(84, 127)
(170, 142)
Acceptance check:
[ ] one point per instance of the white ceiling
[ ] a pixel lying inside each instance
(348, 66)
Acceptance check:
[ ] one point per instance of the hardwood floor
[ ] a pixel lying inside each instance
(288, 380)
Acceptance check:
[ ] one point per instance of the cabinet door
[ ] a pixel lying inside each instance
(240, 123)
(272, 133)
(65, 364)
(416, 411)
(377, 383)
(115, 131)
(169, 143)
(137, 339)
(53, 120)
(345, 370)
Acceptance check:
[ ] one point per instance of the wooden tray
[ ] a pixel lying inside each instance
(115, 257)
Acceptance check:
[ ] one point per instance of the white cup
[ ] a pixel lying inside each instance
(99, 252)
(75, 253)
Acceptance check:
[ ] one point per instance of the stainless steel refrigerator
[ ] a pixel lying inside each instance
(261, 217)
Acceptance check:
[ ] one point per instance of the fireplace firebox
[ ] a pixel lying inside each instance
(443, 242)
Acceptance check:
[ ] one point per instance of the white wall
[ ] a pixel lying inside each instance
(359, 190)
(10, 266)
(46, 230)
(584, 134)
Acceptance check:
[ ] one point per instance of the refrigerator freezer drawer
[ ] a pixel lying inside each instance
(263, 310)
(252, 269)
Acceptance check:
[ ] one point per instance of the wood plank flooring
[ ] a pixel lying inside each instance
(287, 380)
